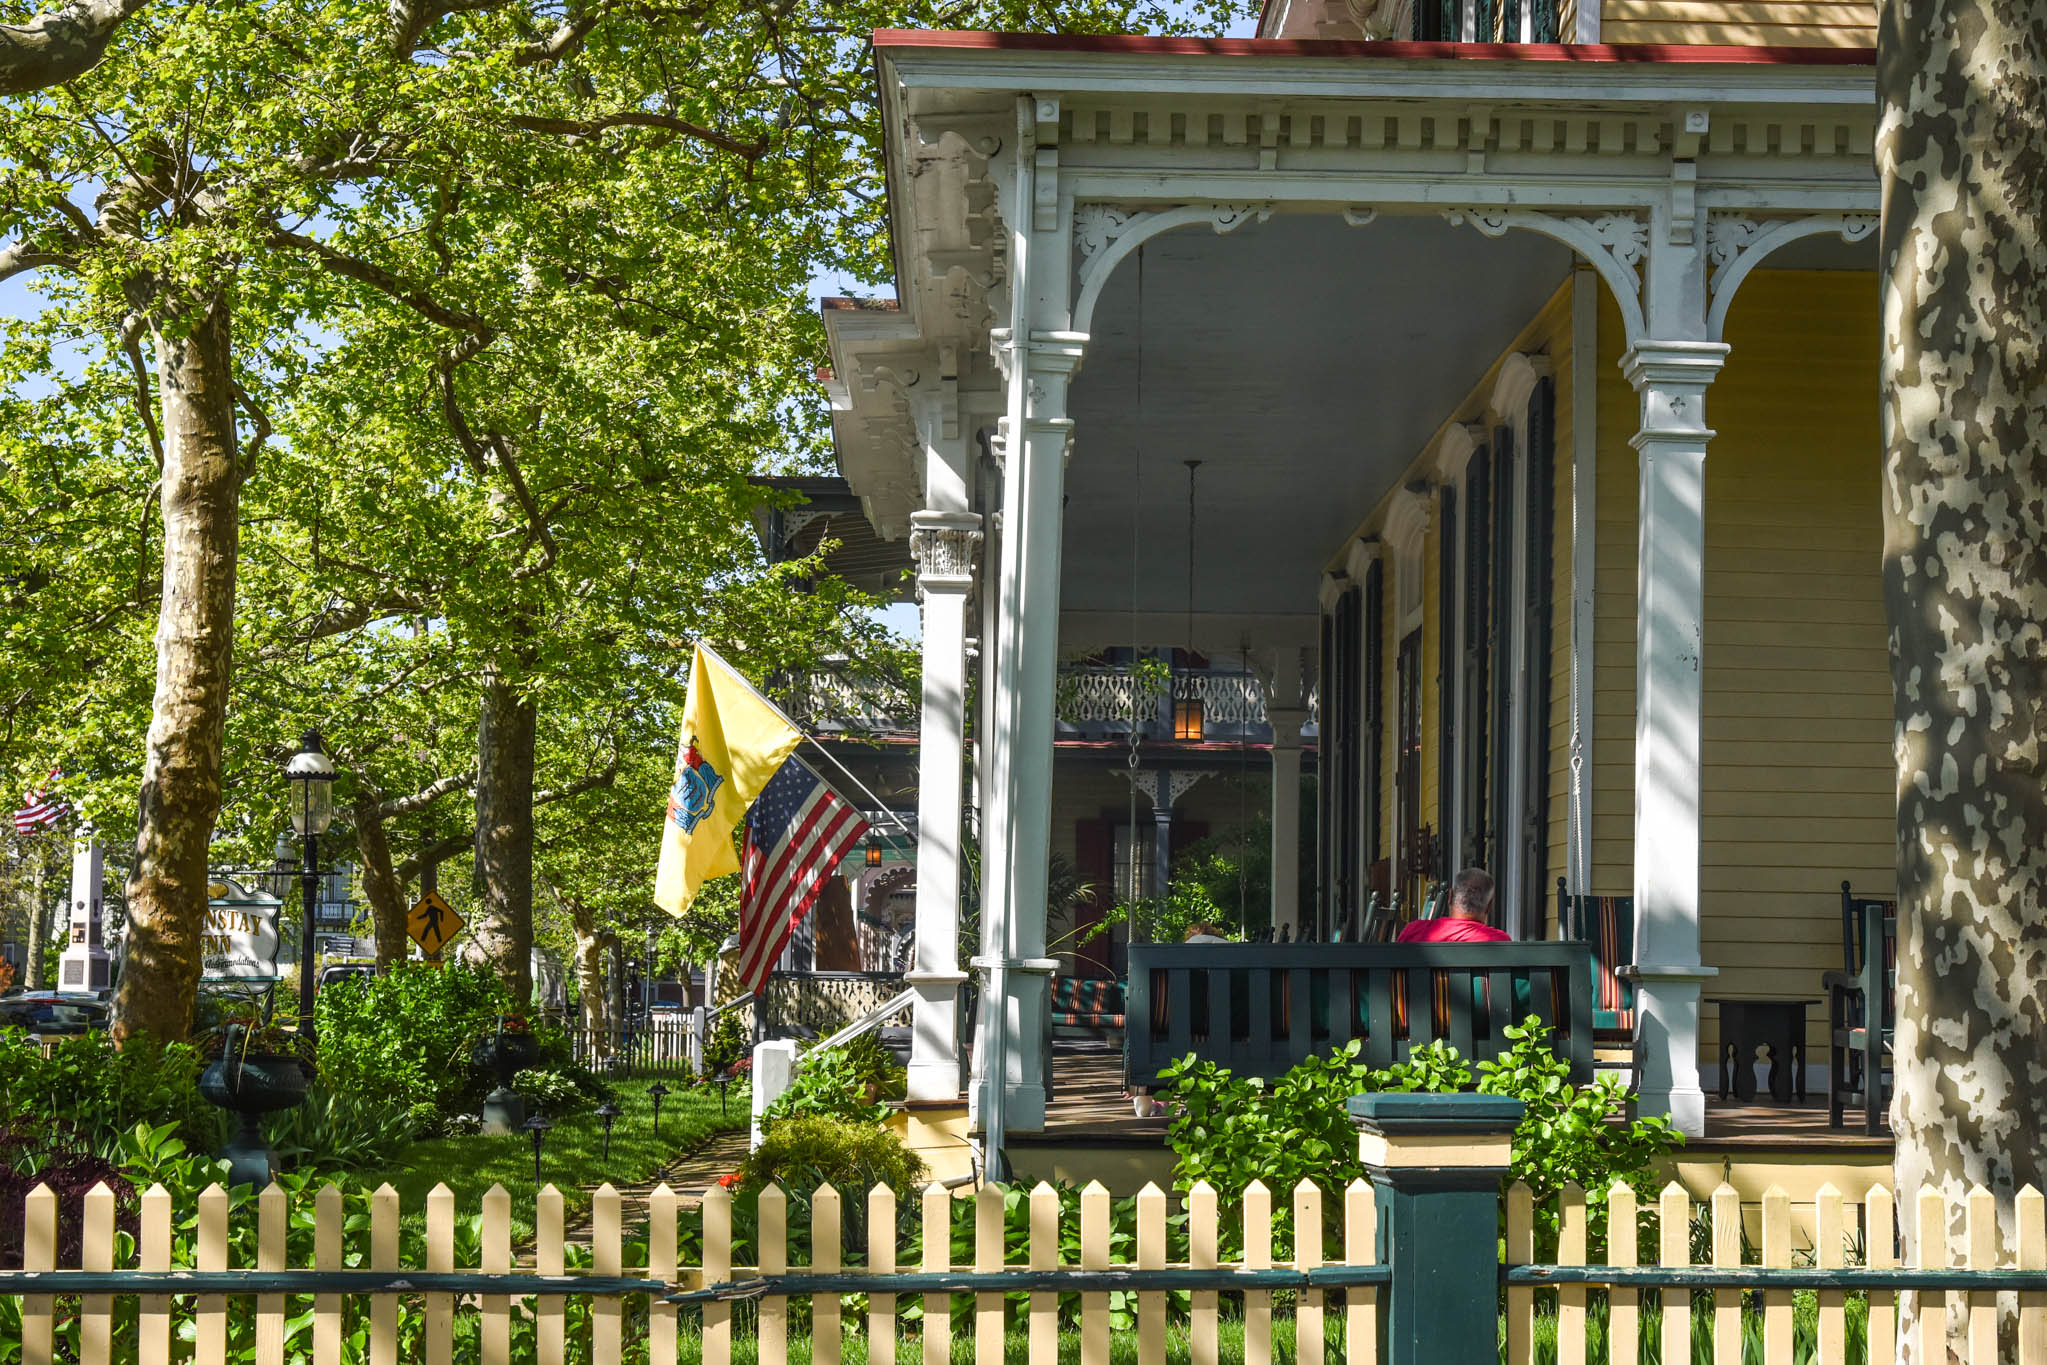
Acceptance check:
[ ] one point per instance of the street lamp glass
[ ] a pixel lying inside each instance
(311, 774)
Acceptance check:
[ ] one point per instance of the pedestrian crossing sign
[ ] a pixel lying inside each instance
(432, 922)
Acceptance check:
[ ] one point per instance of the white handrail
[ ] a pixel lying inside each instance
(868, 1021)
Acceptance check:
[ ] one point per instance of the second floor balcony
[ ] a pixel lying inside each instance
(1207, 704)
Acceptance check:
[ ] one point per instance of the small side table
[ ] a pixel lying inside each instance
(1746, 1027)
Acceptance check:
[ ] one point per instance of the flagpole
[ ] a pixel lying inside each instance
(789, 720)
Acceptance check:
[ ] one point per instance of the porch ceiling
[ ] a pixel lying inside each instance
(1305, 363)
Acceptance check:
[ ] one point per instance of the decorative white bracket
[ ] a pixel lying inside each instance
(1105, 234)
(1614, 243)
(1178, 781)
(1736, 244)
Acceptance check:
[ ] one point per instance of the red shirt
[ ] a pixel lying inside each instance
(1452, 929)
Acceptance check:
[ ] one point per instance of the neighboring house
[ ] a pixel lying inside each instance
(1197, 718)
(1520, 396)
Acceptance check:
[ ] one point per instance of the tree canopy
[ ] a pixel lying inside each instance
(400, 371)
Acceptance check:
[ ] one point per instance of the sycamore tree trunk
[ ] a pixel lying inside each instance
(504, 833)
(386, 894)
(38, 918)
(1963, 156)
(180, 798)
(594, 1004)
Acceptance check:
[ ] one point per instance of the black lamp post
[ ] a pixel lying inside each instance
(311, 775)
(607, 1113)
(538, 1126)
(657, 1092)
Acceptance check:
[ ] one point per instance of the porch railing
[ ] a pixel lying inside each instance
(814, 1004)
(1262, 1008)
(328, 1271)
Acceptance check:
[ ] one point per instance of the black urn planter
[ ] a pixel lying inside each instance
(250, 1085)
(507, 1054)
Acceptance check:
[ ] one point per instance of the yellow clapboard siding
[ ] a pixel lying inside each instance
(1770, 12)
(1739, 35)
(1796, 768)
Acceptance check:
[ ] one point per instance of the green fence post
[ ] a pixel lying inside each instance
(1437, 1162)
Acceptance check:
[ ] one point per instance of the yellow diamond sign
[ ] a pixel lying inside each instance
(432, 922)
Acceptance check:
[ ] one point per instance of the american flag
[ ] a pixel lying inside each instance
(796, 833)
(44, 807)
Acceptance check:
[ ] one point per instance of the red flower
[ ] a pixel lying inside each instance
(730, 1180)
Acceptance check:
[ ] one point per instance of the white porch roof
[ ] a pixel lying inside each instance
(1302, 360)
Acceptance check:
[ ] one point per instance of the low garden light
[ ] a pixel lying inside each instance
(724, 1086)
(657, 1092)
(607, 1114)
(538, 1126)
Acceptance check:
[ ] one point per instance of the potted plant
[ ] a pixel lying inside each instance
(255, 1068)
(510, 1049)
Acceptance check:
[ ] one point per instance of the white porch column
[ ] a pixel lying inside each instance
(1039, 359)
(944, 543)
(1671, 378)
(1285, 714)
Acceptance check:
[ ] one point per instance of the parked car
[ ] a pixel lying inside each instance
(47, 1013)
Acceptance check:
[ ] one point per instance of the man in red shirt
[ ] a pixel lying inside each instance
(1467, 919)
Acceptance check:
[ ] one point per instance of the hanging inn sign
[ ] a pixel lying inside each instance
(240, 941)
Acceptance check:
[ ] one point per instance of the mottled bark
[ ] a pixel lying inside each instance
(38, 921)
(1963, 155)
(380, 885)
(180, 798)
(504, 833)
(591, 998)
(59, 46)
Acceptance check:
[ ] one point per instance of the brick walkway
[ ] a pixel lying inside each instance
(689, 1175)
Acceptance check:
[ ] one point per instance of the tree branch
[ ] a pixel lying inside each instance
(23, 257)
(384, 282)
(589, 128)
(437, 852)
(425, 796)
(535, 521)
(131, 346)
(61, 45)
(566, 39)
(465, 839)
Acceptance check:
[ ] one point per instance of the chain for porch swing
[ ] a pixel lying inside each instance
(1133, 929)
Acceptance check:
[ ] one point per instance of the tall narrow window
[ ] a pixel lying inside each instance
(1413, 873)
(1539, 576)
(1446, 670)
(1502, 676)
(1375, 721)
(1472, 711)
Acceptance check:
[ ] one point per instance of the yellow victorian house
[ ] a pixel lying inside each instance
(1497, 381)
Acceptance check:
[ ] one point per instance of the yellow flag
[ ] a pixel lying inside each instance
(733, 740)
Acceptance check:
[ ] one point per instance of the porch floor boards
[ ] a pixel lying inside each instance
(1089, 1107)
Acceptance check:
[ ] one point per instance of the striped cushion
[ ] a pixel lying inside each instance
(1087, 1002)
(1607, 923)
(1612, 922)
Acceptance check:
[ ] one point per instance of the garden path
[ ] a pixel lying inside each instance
(689, 1175)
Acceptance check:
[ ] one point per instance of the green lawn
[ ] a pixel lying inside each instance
(571, 1158)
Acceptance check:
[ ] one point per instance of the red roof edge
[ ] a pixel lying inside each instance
(1142, 44)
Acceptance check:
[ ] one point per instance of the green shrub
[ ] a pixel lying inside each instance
(557, 1091)
(809, 1150)
(873, 1062)
(332, 1131)
(1229, 1130)
(409, 1034)
(726, 1045)
(830, 1084)
(98, 1093)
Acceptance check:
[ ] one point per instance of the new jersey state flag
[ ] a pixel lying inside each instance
(733, 740)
